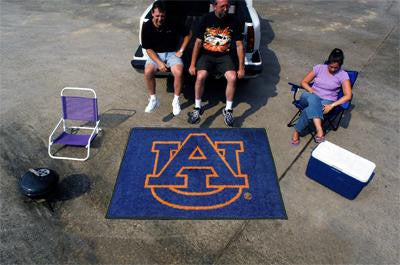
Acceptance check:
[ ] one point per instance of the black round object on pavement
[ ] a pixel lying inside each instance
(38, 183)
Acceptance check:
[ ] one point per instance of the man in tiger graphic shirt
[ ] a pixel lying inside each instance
(218, 32)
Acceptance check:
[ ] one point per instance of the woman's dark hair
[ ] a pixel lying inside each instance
(336, 56)
(160, 6)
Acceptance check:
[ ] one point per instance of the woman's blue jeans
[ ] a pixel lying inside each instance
(312, 108)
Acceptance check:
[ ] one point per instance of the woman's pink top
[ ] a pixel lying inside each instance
(327, 85)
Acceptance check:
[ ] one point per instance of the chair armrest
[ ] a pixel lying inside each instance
(295, 87)
(54, 130)
(94, 131)
(294, 90)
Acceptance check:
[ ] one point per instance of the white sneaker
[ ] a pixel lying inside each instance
(176, 107)
(153, 104)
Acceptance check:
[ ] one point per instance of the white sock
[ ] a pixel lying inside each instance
(153, 97)
(197, 103)
(228, 105)
(176, 98)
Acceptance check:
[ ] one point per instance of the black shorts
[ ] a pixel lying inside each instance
(220, 64)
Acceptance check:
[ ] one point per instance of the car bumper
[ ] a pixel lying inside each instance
(253, 65)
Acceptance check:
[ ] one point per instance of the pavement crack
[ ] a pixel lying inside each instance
(238, 233)
(378, 48)
(295, 159)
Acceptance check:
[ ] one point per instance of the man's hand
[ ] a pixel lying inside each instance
(192, 70)
(240, 73)
(162, 67)
(327, 108)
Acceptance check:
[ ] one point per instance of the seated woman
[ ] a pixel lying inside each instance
(322, 96)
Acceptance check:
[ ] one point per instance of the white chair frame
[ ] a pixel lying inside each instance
(94, 130)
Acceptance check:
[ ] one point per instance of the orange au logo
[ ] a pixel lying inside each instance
(197, 173)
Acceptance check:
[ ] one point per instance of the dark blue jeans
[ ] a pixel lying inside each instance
(312, 108)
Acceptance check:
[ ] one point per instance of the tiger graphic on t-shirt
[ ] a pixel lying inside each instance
(217, 39)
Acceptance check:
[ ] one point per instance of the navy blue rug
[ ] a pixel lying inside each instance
(197, 174)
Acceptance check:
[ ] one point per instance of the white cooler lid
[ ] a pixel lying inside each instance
(344, 161)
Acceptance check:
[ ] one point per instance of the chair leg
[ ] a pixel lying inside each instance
(336, 125)
(295, 117)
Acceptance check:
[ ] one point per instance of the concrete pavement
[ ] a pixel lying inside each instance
(47, 45)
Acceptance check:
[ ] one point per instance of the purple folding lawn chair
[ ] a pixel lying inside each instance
(76, 108)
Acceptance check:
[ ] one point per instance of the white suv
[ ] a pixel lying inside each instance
(193, 11)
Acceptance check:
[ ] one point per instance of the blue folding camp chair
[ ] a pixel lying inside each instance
(76, 109)
(332, 118)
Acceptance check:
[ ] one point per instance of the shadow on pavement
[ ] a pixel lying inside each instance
(113, 117)
(71, 187)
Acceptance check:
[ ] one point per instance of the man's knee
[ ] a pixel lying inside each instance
(230, 76)
(177, 71)
(201, 75)
(149, 71)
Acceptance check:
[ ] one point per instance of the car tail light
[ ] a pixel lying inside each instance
(250, 39)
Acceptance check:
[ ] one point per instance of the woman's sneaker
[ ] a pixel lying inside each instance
(153, 104)
(195, 115)
(228, 117)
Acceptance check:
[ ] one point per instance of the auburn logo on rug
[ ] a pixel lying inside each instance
(197, 173)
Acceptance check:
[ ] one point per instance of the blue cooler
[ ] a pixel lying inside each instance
(339, 170)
